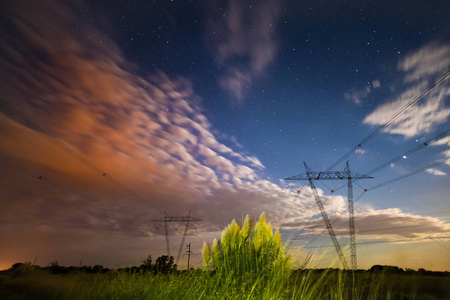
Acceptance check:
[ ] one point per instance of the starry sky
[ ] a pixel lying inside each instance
(115, 113)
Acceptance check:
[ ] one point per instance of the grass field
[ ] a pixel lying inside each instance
(306, 284)
(249, 262)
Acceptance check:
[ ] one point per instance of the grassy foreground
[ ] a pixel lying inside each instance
(307, 284)
(249, 262)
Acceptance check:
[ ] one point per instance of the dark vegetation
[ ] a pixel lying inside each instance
(161, 280)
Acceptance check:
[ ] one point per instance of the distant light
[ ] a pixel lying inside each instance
(404, 156)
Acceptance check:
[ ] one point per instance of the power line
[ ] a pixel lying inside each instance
(376, 221)
(415, 100)
(380, 242)
(415, 227)
(370, 230)
(50, 182)
(380, 220)
(409, 152)
(34, 195)
(39, 177)
(23, 191)
(403, 155)
(409, 174)
(8, 110)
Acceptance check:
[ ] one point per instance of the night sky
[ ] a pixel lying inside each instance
(114, 113)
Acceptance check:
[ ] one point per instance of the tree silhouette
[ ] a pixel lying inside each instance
(164, 264)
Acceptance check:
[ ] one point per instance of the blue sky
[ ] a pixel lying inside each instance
(179, 105)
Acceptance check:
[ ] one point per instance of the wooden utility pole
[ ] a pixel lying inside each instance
(188, 246)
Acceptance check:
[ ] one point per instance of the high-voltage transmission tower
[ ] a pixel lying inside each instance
(311, 176)
(184, 219)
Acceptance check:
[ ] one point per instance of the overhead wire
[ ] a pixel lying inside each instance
(413, 101)
(380, 220)
(403, 155)
(379, 242)
(292, 237)
(383, 184)
(409, 152)
(24, 191)
(14, 114)
(408, 174)
(47, 180)
(415, 227)
(34, 195)
(38, 176)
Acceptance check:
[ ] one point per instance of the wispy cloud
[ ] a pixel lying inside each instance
(419, 69)
(428, 61)
(436, 172)
(243, 37)
(444, 142)
(358, 95)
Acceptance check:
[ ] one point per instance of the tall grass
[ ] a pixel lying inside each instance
(304, 284)
(249, 262)
(250, 256)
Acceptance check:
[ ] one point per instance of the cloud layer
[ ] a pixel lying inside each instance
(149, 133)
(388, 224)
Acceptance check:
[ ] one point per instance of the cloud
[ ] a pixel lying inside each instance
(243, 42)
(419, 69)
(436, 172)
(428, 61)
(360, 151)
(357, 95)
(387, 224)
(445, 141)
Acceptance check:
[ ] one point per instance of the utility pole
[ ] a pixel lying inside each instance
(188, 246)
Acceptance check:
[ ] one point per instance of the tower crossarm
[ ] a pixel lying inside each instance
(178, 219)
(183, 219)
(328, 175)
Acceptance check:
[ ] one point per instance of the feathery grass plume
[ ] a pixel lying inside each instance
(233, 235)
(215, 251)
(251, 255)
(205, 253)
(245, 230)
(277, 240)
(262, 233)
(225, 237)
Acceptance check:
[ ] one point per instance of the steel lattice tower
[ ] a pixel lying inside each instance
(348, 175)
(168, 219)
